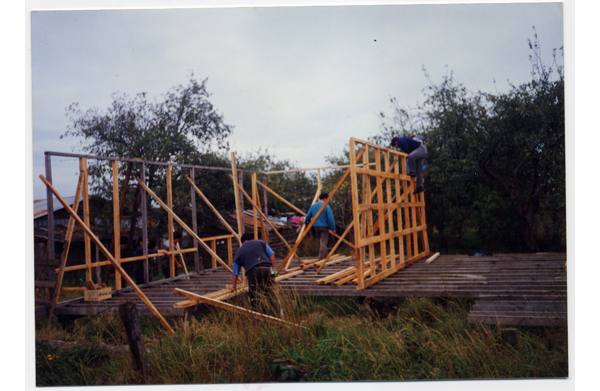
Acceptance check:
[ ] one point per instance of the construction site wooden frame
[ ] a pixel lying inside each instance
(388, 220)
(390, 229)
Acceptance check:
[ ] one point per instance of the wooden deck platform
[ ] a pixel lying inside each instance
(512, 289)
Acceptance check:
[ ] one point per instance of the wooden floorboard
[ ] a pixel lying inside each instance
(513, 289)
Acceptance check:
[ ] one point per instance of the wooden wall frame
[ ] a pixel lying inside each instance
(383, 196)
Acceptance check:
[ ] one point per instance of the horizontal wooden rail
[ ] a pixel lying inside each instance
(129, 259)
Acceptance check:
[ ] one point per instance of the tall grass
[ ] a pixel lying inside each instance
(338, 343)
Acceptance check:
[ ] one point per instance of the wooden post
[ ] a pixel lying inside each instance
(116, 222)
(213, 246)
(236, 193)
(108, 255)
(265, 234)
(50, 207)
(198, 264)
(390, 211)
(170, 225)
(98, 269)
(255, 199)
(380, 217)
(265, 206)
(65, 253)
(145, 225)
(131, 321)
(229, 251)
(399, 212)
(86, 217)
(194, 213)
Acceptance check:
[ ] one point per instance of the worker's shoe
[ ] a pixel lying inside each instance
(418, 190)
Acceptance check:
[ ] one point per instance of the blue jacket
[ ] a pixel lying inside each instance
(324, 220)
(407, 144)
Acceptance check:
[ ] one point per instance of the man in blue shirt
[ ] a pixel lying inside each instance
(258, 259)
(417, 152)
(324, 223)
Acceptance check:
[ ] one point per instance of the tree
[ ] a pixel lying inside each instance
(183, 127)
(496, 163)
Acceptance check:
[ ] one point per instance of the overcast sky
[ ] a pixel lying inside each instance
(298, 81)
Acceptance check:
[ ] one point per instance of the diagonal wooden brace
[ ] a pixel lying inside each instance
(108, 255)
(183, 225)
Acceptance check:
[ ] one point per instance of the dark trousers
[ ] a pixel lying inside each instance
(260, 285)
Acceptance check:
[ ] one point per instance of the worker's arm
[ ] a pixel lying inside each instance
(234, 276)
(234, 279)
(272, 259)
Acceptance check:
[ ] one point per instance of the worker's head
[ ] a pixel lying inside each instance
(176, 236)
(323, 196)
(247, 236)
(395, 142)
(141, 241)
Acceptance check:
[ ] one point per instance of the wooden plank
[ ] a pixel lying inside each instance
(309, 226)
(144, 224)
(236, 194)
(372, 280)
(181, 257)
(432, 258)
(280, 198)
(230, 307)
(183, 225)
(355, 214)
(116, 221)
(263, 228)
(86, 217)
(61, 270)
(194, 215)
(170, 232)
(50, 208)
(303, 227)
(214, 210)
(266, 219)
(108, 255)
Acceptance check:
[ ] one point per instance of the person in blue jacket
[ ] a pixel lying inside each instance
(324, 223)
(417, 152)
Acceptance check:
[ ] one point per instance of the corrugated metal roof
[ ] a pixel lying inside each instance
(40, 207)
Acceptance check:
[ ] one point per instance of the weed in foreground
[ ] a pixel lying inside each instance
(424, 341)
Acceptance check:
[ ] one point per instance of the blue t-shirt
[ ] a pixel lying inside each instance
(251, 254)
(325, 218)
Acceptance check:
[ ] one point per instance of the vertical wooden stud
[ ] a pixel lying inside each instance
(50, 207)
(194, 215)
(265, 206)
(86, 217)
(170, 224)
(116, 222)
(213, 247)
(236, 193)
(356, 217)
(145, 224)
(230, 250)
(256, 200)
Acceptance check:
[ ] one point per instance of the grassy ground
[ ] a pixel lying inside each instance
(338, 343)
